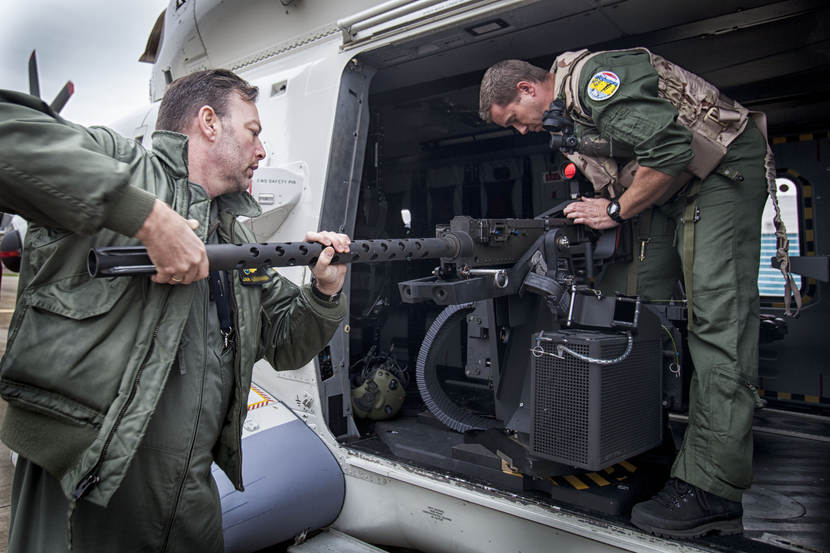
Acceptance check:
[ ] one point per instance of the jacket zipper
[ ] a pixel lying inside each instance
(237, 370)
(193, 436)
(92, 478)
(196, 425)
(236, 376)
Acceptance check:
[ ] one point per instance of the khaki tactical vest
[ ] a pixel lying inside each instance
(714, 120)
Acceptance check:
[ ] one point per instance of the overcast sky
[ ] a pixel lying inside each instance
(94, 43)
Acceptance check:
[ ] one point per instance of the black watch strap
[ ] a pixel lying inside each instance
(613, 211)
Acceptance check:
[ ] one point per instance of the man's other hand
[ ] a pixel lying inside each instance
(591, 212)
(329, 277)
(178, 254)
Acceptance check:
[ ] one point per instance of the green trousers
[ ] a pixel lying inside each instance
(716, 454)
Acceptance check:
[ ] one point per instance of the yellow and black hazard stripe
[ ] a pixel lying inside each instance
(599, 479)
(803, 137)
(507, 469)
(789, 396)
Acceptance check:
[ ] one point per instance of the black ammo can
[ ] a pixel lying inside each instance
(590, 415)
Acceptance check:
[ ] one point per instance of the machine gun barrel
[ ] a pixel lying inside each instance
(133, 260)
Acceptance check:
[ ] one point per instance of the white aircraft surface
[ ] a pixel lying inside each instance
(369, 109)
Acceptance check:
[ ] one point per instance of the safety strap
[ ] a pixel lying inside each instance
(643, 231)
(691, 215)
(219, 291)
(782, 242)
(220, 288)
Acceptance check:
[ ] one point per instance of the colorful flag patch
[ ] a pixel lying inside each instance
(603, 85)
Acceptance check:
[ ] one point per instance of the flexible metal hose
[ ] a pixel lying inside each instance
(426, 374)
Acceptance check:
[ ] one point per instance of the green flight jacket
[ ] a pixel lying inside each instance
(635, 114)
(87, 359)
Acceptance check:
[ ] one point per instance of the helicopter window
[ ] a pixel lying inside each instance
(770, 280)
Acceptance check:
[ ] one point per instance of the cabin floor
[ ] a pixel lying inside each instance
(785, 510)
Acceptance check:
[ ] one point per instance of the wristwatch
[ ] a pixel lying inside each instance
(328, 298)
(613, 211)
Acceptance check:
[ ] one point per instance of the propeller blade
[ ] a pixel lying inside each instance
(34, 81)
(63, 96)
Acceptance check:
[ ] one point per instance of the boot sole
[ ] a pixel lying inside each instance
(723, 527)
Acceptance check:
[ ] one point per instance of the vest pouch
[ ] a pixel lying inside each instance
(73, 339)
(627, 173)
(708, 155)
(602, 172)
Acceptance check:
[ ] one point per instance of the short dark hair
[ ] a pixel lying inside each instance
(186, 96)
(498, 86)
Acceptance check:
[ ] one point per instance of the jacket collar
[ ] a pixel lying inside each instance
(171, 148)
(239, 203)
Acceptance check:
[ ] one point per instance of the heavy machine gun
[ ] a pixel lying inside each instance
(463, 246)
(479, 259)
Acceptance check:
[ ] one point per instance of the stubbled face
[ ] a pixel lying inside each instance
(239, 149)
(523, 114)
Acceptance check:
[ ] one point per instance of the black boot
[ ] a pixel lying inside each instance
(681, 510)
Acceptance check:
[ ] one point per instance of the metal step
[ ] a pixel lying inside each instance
(332, 541)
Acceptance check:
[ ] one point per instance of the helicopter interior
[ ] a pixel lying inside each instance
(427, 157)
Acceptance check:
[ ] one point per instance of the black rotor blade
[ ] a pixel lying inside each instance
(34, 81)
(63, 96)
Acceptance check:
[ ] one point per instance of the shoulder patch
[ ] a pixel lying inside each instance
(603, 85)
(256, 277)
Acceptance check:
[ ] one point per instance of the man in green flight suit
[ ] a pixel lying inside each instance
(122, 391)
(697, 190)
